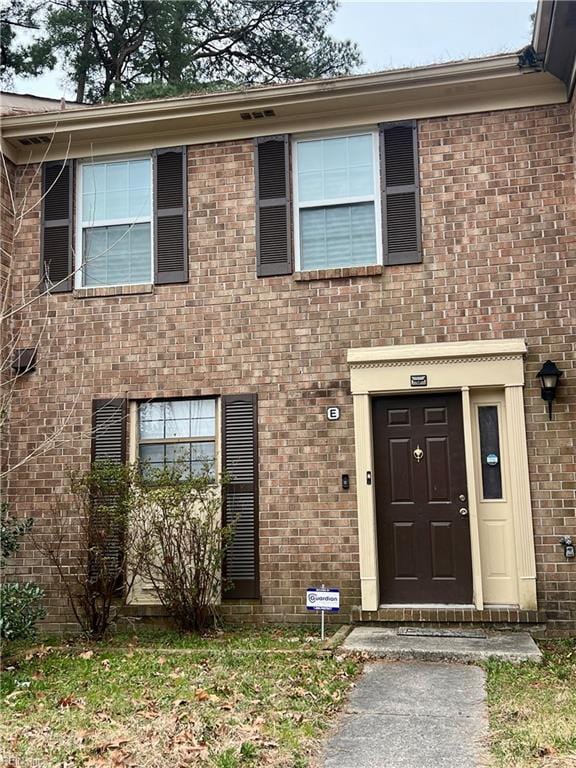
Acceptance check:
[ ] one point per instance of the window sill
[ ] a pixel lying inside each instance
(112, 290)
(331, 274)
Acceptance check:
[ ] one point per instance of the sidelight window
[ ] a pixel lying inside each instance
(490, 452)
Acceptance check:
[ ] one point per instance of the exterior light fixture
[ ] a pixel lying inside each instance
(549, 375)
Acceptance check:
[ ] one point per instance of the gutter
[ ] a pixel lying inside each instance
(554, 40)
(453, 73)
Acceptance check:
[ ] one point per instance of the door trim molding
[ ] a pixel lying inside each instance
(453, 366)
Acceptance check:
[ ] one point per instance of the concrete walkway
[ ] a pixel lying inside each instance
(412, 715)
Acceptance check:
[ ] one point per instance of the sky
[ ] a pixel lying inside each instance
(394, 34)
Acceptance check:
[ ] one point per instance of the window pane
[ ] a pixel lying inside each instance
(139, 203)
(338, 236)
(152, 453)
(203, 409)
(329, 169)
(178, 453)
(203, 414)
(95, 257)
(177, 427)
(151, 420)
(119, 255)
(139, 174)
(140, 254)
(116, 190)
(94, 177)
(203, 458)
(149, 430)
(93, 191)
(490, 452)
(177, 409)
(116, 176)
(177, 418)
(151, 411)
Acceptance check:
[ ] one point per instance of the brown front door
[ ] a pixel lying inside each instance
(420, 484)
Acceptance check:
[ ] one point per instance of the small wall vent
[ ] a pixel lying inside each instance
(257, 115)
(24, 361)
(34, 140)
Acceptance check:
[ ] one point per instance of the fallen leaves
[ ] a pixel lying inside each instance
(39, 653)
(201, 695)
(105, 707)
(70, 701)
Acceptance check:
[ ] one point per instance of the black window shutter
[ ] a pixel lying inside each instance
(170, 198)
(56, 245)
(240, 463)
(401, 228)
(273, 240)
(109, 430)
(108, 445)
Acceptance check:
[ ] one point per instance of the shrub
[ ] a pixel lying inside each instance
(180, 542)
(20, 603)
(92, 565)
(20, 610)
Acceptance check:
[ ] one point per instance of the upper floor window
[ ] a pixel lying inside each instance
(356, 200)
(114, 238)
(337, 201)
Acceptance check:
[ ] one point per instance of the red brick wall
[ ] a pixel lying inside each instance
(7, 174)
(498, 203)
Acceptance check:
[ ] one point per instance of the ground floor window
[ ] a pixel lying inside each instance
(177, 434)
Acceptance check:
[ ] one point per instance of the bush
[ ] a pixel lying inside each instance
(20, 603)
(180, 542)
(20, 610)
(92, 568)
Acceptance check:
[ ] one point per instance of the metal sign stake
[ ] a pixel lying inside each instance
(322, 619)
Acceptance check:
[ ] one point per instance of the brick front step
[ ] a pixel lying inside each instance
(449, 615)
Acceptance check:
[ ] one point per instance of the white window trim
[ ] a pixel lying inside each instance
(81, 226)
(375, 198)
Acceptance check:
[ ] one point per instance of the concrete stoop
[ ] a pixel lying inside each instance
(387, 643)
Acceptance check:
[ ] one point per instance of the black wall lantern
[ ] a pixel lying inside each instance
(549, 375)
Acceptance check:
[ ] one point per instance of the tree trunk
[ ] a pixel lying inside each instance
(82, 70)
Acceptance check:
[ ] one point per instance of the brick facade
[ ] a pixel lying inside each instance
(499, 232)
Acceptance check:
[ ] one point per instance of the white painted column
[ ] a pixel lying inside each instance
(367, 534)
(471, 503)
(520, 497)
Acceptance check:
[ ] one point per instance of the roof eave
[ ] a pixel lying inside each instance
(470, 86)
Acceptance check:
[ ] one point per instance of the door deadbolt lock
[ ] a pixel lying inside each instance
(463, 511)
(462, 497)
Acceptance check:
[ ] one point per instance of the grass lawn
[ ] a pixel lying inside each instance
(231, 700)
(532, 710)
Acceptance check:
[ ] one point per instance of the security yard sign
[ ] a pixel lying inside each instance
(322, 599)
